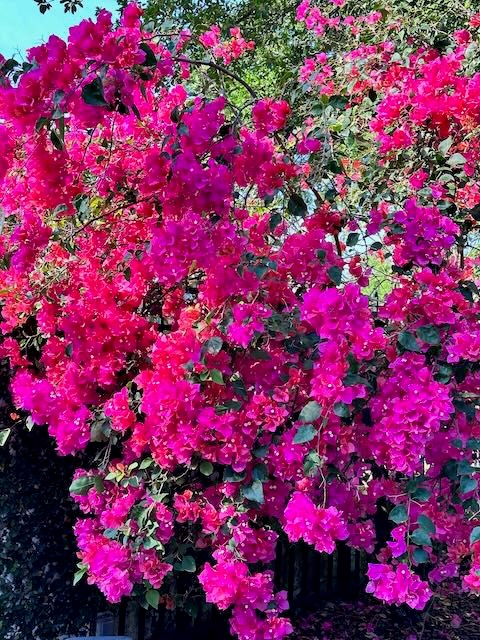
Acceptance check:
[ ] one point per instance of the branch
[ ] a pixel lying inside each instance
(213, 65)
(124, 205)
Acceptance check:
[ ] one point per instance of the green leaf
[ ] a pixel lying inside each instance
(152, 543)
(60, 117)
(92, 93)
(182, 129)
(467, 484)
(4, 434)
(141, 514)
(421, 538)
(310, 412)
(421, 494)
(468, 289)
(444, 146)
(426, 523)
(260, 472)
(449, 470)
(398, 514)
(275, 220)
(150, 58)
(206, 468)
(136, 111)
(420, 556)
(465, 407)
(475, 535)
(146, 463)
(152, 597)
(41, 123)
(216, 376)
(188, 564)
(407, 341)
(268, 199)
(254, 492)
(311, 464)
(335, 275)
(352, 239)
(213, 345)
(338, 102)
(9, 65)
(465, 468)
(82, 570)
(175, 114)
(333, 166)
(353, 378)
(82, 485)
(429, 334)
(58, 96)
(296, 206)
(56, 139)
(229, 475)
(304, 434)
(260, 452)
(456, 160)
(341, 410)
(81, 203)
(471, 504)
(444, 373)
(260, 354)
(397, 229)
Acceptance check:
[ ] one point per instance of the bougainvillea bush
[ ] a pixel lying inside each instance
(259, 316)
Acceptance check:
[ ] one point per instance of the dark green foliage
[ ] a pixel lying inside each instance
(279, 40)
(37, 546)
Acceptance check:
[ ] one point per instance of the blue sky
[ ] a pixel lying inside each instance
(22, 26)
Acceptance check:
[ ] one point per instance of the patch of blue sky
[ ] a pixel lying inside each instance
(23, 26)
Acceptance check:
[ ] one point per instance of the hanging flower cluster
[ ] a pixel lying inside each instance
(194, 299)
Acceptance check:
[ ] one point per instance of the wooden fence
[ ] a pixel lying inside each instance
(308, 576)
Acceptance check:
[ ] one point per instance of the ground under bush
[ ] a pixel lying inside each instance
(449, 617)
